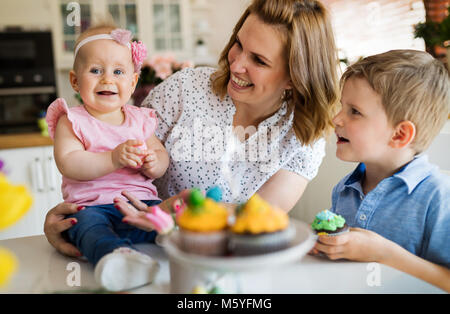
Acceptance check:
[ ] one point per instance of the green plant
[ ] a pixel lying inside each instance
(433, 33)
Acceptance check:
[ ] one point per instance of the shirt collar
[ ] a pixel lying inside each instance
(415, 171)
(411, 174)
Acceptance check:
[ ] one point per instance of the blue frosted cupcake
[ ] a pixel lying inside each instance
(329, 223)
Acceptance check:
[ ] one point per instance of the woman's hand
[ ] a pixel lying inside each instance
(56, 223)
(128, 154)
(135, 213)
(358, 245)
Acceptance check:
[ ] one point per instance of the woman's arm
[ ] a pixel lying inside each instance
(76, 163)
(283, 189)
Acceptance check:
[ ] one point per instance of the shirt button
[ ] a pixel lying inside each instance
(361, 197)
(362, 217)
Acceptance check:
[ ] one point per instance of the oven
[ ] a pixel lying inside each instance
(27, 80)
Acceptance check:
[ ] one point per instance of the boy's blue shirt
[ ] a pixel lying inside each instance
(411, 208)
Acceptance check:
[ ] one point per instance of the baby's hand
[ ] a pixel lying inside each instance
(152, 164)
(358, 245)
(128, 154)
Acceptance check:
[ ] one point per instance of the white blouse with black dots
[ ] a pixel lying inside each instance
(195, 126)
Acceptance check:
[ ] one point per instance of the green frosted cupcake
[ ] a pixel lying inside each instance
(328, 223)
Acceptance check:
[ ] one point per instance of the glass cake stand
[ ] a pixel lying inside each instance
(194, 273)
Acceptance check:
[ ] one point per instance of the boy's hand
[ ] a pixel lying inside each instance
(128, 154)
(358, 245)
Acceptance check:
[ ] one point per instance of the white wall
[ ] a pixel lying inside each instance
(27, 13)
(222, 18)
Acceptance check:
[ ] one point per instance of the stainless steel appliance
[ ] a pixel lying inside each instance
(27, 79)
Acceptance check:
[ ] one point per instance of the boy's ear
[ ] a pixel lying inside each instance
(73, 80)
(404, 134)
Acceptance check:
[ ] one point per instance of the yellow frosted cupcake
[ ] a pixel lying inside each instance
(203, 226)
(260, 228)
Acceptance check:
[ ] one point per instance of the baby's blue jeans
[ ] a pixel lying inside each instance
(100, 231)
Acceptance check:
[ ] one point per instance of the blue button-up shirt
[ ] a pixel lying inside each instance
(411, 208)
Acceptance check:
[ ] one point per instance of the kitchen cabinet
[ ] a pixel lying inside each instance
(35, 168)
(163, 25)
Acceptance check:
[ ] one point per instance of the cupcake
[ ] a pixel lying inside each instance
(328, 223)
(203, 226)
(260, 228)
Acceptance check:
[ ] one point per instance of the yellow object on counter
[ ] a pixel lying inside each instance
(15, 200)
(199, 290)
(210, 217)
(257, 216)
(8, 266)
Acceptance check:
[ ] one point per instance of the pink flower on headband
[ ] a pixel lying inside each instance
(138, 49)
(138, 53)
(122, 36)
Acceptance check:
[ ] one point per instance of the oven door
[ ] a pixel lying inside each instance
(20, 108)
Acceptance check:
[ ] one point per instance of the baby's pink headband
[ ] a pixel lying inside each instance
(123, 37)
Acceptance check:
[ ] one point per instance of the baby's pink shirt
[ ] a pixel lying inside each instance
(98, 136)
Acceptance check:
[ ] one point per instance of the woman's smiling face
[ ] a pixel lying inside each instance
(258, 69)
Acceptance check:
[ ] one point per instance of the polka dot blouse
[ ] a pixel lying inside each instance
(195, 126)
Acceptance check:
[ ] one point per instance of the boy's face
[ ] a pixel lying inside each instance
(362, 128)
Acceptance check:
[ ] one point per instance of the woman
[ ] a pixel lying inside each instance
(275, 90)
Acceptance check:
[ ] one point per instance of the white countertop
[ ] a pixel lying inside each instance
(42, 270)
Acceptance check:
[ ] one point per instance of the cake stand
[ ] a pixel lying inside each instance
(190, 271)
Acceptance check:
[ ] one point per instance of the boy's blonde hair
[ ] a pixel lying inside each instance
(103, 27)
(311, 62)
(413, 87)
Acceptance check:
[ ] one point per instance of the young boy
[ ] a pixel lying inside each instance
(393, 105)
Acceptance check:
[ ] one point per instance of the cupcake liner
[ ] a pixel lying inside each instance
(253, 244)
(345, 229)
(204, 243)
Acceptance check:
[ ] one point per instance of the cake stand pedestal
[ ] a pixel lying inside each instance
(191, 271)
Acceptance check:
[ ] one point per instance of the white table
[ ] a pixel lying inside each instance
(42, 269)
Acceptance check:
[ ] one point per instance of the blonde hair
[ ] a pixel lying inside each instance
(413, 87)
(103, 27)
(312, 62)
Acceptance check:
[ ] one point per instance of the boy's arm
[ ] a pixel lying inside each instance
(399, 258)
(367, 246)
(157, 160)
(75, 163)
